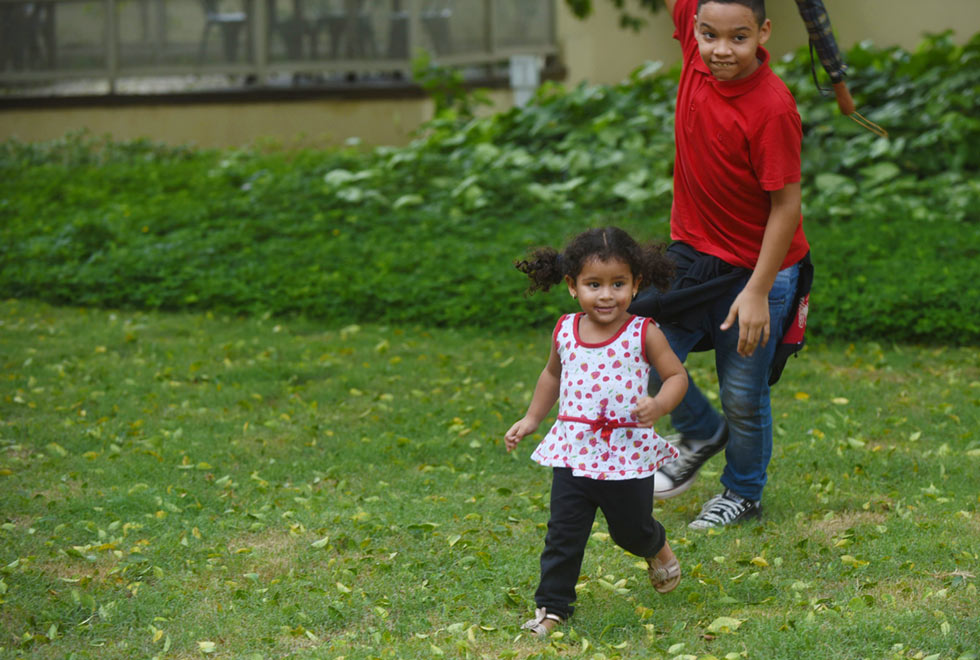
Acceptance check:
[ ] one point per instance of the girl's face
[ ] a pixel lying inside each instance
(604, 289)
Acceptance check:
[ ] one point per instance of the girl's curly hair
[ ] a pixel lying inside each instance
(648, 263)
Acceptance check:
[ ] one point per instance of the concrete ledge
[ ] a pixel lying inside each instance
(305, 115)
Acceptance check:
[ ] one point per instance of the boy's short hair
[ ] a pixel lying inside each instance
(758, 7)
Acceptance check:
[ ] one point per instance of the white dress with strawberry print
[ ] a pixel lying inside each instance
(596, 434)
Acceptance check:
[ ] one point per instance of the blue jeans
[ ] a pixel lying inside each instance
(743, 384)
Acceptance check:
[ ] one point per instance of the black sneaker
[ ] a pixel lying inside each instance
(678, 475)
(726, 509)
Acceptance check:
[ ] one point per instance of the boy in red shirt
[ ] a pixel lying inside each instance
(737, 226)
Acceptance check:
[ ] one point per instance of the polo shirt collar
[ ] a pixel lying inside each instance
(732, 88)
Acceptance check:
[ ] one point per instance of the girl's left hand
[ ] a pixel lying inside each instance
(648, 410)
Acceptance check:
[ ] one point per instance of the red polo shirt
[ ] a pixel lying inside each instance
(736, 141)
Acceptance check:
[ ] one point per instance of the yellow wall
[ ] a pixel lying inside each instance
(596, 50)
(309, 123)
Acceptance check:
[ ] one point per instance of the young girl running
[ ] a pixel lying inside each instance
(602, 448)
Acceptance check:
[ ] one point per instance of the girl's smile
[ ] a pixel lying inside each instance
(604, 289)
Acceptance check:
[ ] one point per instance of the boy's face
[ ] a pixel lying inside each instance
(728, 36)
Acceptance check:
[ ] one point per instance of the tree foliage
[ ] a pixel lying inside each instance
(583, 9)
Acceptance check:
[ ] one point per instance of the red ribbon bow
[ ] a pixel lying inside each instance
(603, 426)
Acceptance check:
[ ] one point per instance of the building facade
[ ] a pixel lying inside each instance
(379, 110)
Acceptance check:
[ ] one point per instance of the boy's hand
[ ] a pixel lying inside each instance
(648, 410)
(752, 311)
(517, 432)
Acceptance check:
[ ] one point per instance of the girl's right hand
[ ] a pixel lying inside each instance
(517, 432)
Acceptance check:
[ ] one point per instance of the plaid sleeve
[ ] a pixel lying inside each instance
(822, 37)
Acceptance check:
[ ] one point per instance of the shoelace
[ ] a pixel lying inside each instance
(723, 508)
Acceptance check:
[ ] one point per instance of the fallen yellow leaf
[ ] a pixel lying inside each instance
(724, 624)
(853, 561)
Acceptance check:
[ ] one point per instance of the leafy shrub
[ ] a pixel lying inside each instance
(893, 223)
(426, 233)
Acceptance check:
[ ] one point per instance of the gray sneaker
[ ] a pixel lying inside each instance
(678, 475)
(726, 509)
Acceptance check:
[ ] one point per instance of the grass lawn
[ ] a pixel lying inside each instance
(187, 486)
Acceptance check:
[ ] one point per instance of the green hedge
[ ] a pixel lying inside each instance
(427, 233)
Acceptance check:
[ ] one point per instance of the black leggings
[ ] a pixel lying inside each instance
(627, 506)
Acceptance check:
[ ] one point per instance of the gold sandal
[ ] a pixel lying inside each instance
(664, 577)
(543, 622)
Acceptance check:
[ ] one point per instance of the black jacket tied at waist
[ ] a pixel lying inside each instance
(699, 279)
